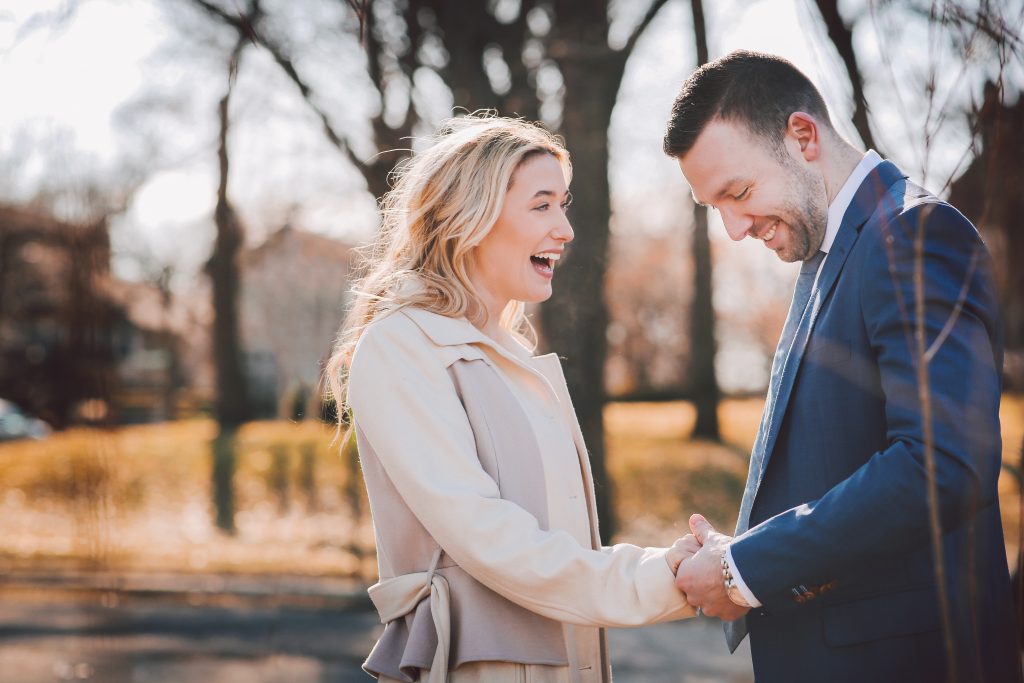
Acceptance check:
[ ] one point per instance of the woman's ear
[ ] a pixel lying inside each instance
(802, 129)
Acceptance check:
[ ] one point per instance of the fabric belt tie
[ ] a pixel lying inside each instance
(399, 596)
(396, 597)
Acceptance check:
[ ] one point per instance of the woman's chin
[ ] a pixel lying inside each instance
(537, 296)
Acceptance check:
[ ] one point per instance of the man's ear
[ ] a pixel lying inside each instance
(802, 129)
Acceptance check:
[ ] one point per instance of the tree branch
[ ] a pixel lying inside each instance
(245, 27)
(652, 11)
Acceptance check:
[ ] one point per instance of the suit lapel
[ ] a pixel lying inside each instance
(866, 200)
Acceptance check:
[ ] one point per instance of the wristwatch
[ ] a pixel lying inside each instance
(731, 589)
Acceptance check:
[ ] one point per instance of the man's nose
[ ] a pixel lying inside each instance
(737, 225)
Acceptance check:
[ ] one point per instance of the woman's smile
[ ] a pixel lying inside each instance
(544, 262)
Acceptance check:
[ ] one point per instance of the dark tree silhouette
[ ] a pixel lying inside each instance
(222, 267)
(703, 381)
(840, 32)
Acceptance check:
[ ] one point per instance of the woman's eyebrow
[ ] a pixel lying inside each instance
(546, 193)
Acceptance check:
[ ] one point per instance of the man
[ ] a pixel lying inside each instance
(831, 570)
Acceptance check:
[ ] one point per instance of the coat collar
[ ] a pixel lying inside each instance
(444, 330)
(447, 331)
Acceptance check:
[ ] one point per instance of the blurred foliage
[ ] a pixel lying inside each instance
(140, 498)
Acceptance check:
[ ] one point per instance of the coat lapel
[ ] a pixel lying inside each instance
(866, 200)
(551, 368)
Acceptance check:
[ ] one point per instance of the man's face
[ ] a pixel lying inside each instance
(774, 197)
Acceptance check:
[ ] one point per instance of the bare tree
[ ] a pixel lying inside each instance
(840, 32)
(703, 381)
(553, 61)
(222, 268)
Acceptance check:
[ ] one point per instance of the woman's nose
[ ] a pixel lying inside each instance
(563, 231)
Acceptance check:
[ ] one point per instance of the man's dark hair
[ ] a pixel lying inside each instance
(752, 88)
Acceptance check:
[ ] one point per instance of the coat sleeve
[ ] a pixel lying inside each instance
(405, 405)
(882, 508)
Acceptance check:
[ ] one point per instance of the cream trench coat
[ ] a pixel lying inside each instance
(483, 505)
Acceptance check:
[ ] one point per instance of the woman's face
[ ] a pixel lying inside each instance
(516, 261)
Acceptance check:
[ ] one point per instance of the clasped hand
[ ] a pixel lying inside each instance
(696, 560)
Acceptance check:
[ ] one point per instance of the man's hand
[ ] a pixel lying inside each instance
(700, 577)
(683, 549)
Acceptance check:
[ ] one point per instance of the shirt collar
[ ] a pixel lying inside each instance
(837, 209)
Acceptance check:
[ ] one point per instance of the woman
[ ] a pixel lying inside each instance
(490, 561)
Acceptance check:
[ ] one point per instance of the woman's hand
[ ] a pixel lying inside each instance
(683, 549)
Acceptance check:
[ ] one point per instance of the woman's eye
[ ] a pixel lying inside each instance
(542, 207)
(565, 206)
(743, 195)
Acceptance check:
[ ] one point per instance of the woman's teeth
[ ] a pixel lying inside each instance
(546, 259)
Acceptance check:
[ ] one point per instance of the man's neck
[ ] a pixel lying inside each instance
(842, 159)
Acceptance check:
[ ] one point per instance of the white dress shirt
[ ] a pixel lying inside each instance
(836, 211)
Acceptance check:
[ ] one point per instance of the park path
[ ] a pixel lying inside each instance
(50, 634)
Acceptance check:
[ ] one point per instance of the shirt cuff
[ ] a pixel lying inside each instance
(738, 580)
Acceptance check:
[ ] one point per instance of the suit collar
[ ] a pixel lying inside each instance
(869, 194)
(864, 203)
(841, 202)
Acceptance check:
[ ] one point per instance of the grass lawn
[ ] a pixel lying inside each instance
(140, 498)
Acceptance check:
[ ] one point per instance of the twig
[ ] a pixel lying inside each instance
(924, 396)
(951, 320)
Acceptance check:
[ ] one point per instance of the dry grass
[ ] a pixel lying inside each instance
(139, 498)
(662, 477)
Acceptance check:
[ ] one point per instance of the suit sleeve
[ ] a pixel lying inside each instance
(406, 407)
(882, 508)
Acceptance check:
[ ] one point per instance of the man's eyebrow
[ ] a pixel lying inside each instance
(720, 194)
(729, 183)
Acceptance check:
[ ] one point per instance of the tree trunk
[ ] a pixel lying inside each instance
(703, 381)
(575, 319)
(231, 403)
(223, 484)
(841, 36)
(231, 399)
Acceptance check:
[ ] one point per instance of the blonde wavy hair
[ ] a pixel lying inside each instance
(443, 203)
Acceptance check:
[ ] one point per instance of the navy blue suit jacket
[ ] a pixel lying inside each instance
(838, 549)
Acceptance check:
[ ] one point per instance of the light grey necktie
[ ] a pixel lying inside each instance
(735, 631)
(797, 310)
